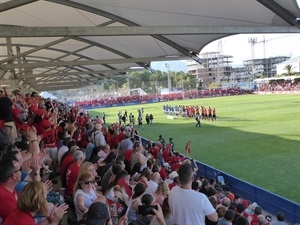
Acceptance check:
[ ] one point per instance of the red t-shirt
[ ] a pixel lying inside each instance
(166, 155)
(19, 217)
(42, 126)
(64, 166)
(114, 141)
(172, 185)
(154, 152)
(163, 174)
(121, 136)
(8, 202)
(175, 166)
(71, 177)
(80, 121)
(49, 138)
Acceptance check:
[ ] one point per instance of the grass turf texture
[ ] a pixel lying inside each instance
(255, 137)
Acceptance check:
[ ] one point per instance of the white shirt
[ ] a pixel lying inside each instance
(152, 186)
(189, 207)
(61, 151)
(98, 138)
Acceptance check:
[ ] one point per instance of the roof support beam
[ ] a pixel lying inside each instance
(91, 62)
(280, 11)
(12, 31)
(33, 50)
(55, 88)
(66, 74)
(58, 86)
(14, 4)
(67, 81)
(128, 23)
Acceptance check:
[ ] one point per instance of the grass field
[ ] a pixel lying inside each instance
(255, 137)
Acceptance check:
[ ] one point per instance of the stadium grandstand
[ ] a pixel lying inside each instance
(101, 174)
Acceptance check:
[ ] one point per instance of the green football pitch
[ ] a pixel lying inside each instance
(255, 138)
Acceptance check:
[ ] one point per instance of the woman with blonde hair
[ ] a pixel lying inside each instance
(84, 194)
(32, 199)
(162, 191)
(88, 167)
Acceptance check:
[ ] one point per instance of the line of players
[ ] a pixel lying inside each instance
(191, 111)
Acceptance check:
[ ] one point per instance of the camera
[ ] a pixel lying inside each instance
(146, 209)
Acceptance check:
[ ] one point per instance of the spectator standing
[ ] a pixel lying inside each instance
(184, 199)
(171, 143)
(73, 170)
(103, 118)
(161, 140)
(6, 115)
(97, 136)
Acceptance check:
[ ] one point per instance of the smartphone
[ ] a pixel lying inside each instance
(146, 209)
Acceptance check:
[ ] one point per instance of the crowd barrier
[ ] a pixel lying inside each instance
(269, 201)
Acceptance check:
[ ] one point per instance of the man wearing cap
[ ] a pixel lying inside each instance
(180, 199)
(171, 177)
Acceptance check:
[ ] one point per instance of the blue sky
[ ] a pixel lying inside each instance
(238, 47)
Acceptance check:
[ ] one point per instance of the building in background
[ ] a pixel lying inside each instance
(217, 68)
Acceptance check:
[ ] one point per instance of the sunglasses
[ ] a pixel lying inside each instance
(20, 169)
(89, 182)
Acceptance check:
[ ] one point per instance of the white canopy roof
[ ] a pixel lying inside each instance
(59, 44)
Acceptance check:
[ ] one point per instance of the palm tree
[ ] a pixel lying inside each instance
(289, 69)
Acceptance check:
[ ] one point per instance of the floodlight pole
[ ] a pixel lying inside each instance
(253, 41)
(169, 80)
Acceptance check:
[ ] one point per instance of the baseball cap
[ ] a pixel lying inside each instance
(173, 175)
(97, 214)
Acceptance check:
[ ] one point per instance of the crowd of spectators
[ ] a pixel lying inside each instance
(280, 86)
(107, 175)
(166, 97)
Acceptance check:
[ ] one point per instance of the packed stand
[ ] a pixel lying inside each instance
(109, 101)
(107, 175)
(280, 86)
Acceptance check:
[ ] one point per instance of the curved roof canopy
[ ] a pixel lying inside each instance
(60, 44)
